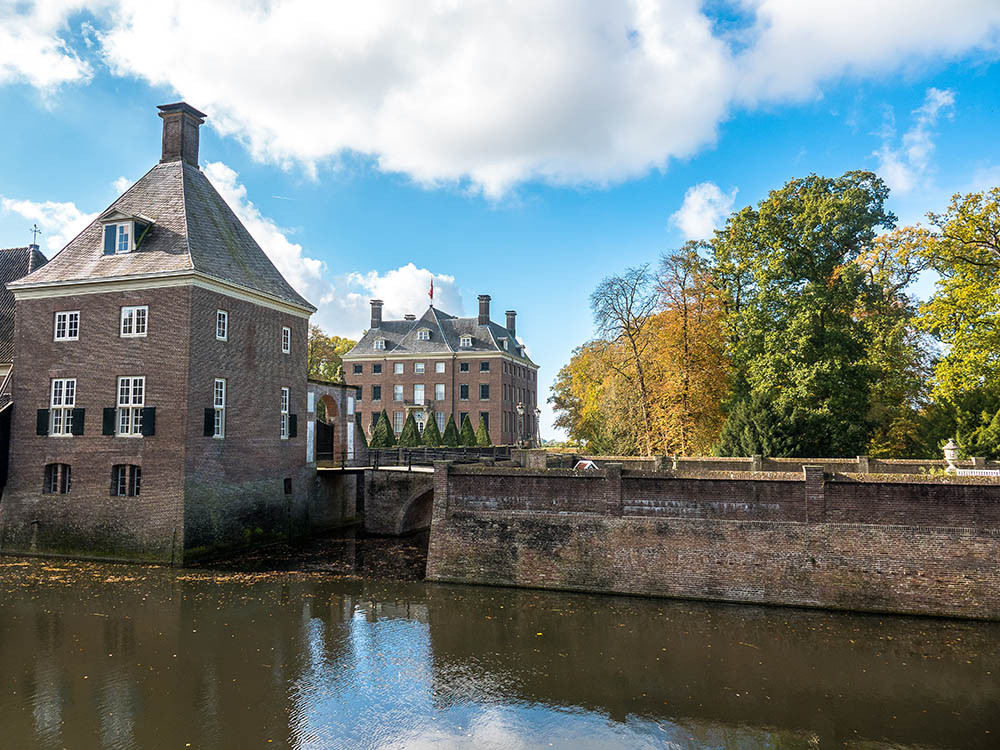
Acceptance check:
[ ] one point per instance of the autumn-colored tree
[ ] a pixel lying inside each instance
(689, 370)
(325, 355)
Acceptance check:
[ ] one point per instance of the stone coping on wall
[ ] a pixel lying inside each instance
(754, 476)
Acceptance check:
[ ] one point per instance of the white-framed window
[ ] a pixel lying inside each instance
(222, 325)
(380, 344)
(134, 321)
(126, 480)
(219, 401)
(131, 399)
(285, 398)
(67, 326)
(397, 392)
(418, 393)
(439, 391)
(286, 339)
(397, 421)
(397, 368)
(61, 404)
(420, 418)
(423, 334)
(439, 367)
(505, 347)
(121, 234)
(465, 341)
(439, 418)
(418, 368)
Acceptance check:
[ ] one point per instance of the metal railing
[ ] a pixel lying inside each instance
(376, 457)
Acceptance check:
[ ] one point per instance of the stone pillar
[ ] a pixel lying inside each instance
(535, 459)
(441, 471)
(978, 462)
(815, 510)
(864, 465)
(613, 489)
(756, 462)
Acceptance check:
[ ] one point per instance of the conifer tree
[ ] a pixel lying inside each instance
(483, 435)
(410, 435)
(382, 435)
(450, 437)
(467, 436)
(432, 435)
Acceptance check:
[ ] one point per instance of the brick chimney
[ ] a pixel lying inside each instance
(484, 309)
(180, 132)
(376, 313)
(511, 324)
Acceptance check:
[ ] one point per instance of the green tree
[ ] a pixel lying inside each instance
(466, 435)
(483, 435)
(792, 288)
(432, 435)
(325, 355)
(409, 437)
(964, 249)
(450, 438)
(383, 435)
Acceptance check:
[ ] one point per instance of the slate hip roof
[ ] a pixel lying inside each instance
(193, 230)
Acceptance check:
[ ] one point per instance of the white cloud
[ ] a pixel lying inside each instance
(906, 167)
(59, 222)
(121, 184)
(32, 48)
(488, 95)
(704, 209)
(343, 305)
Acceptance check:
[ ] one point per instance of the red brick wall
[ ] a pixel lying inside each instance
(924, 547)
(89, 521)
(502, 400)
(198, 493)
(235, 486)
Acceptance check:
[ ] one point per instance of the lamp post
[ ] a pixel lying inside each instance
(520, 423)
(538, 429)
(950, 454)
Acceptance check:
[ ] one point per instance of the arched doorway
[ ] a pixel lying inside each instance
(416, 515)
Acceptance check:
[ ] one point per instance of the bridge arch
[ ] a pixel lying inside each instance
(415, 515)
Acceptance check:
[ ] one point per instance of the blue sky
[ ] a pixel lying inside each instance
(524, 151)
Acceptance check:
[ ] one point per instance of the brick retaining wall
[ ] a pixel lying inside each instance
(923, 546)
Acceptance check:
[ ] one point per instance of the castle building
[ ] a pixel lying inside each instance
(440, 365)
(159, 371)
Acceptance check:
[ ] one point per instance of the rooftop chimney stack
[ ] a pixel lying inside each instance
(180, 132)
(484, 309)
(376, 313)
(511, 322)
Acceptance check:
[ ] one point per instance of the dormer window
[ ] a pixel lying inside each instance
(380, 343)
(424, 334)
(505, 345)
(465, 341)
(123, 234)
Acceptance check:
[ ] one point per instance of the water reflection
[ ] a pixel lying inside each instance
(123, 657)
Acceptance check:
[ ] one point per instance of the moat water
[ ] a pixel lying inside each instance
(335, 648)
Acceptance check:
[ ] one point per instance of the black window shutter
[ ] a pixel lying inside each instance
(209, 422)
(110, 237)
(77, 428)
(42, 422)
(293, 425)
(148, 421)
(139, 230)
(108, 420)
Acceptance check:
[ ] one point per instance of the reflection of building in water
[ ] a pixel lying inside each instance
(113, 656)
